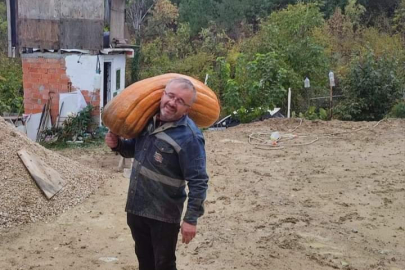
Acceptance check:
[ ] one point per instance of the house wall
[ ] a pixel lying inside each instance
(58, 24)
(49, 74)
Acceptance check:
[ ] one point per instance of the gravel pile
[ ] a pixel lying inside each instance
(21, 201)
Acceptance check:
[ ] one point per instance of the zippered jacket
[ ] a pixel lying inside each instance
(167, 158)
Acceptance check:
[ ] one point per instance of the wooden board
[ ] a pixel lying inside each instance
(81, 34)
(39, 9)
(85, 10)
(47, 179)
(37, 33)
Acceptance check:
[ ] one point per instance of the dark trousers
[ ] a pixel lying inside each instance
(155, 242)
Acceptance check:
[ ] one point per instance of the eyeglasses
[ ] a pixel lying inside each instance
(178, 101)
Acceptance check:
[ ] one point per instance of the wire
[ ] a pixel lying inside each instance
(261, 139)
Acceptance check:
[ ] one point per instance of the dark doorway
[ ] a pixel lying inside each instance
(107, 83)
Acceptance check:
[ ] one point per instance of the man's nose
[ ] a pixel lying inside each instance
(172, 102)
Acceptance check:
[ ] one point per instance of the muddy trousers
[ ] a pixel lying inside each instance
(155, 242)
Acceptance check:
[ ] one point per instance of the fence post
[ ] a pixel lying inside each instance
(289, 103)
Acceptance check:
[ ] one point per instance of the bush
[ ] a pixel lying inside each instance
(11, 94)
(74, 128)
(398, 111)
(255, 86)
(313, 114)
(371, 88)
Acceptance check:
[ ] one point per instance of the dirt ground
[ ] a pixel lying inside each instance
(332, 197)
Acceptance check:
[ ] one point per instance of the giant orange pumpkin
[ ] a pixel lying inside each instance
(127, 113)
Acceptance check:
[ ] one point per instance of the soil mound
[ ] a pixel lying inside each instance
(21, 200)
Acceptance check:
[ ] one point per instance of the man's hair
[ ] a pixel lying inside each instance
(185, 84)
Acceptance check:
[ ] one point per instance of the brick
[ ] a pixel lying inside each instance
(26, 76)
(39, 105)
(34, 70)
(36, 95)
(27, 85)
(52, 70)
(52, 60)
(36, 76)
(44, 69)
(29, 60)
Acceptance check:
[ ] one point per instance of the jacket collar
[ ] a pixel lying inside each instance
(167, 125)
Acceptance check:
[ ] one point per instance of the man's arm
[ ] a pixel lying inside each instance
(193, 162)
(126, 148)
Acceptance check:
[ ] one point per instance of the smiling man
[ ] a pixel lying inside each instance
(168, 154)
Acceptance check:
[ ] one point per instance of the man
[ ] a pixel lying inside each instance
(167, 154)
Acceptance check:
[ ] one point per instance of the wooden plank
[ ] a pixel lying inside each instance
(79, 9)
(37, 33)
(47, 179)
(39, 9)
(81, 34)
(117, 20)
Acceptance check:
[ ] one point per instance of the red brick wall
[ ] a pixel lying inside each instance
(46, 77)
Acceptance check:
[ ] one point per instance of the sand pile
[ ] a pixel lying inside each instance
(21, 200)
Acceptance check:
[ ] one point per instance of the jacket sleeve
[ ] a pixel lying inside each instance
(193, 164)
(126, 148)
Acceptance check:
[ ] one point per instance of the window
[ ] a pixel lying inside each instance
(118, 79)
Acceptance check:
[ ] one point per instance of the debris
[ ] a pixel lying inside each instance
(108, 259)
(21, 201)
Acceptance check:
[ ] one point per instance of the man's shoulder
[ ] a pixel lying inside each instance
(185, 131)
(192, 127)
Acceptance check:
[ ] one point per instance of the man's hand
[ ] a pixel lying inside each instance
(188, 232)
(111, 140)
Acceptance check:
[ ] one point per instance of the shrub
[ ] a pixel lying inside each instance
(371, 88)
(398, 111)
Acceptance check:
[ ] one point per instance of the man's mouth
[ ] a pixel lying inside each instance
(170, 109)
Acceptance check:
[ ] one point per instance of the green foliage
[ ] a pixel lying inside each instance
(75, 128)
(329, 7)
(197, 13)
(371, 88)
(255, 86)
(398, 111)
(164, 15)
(313, 114)
(354, 12)
(399, 18)
(290, 33)
(11, 94)
(248, 115)
(3, 28)
(175, 51)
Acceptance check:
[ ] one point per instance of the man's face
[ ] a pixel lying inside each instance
(175, 102)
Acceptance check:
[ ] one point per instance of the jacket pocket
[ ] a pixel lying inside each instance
(163, 153)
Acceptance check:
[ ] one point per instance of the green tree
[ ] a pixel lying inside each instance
(290, 33)
(197, 13)
(399, 19)
(256, 85)
(11, 94)
(354, 12)
(136, 12)
(371, 88)
(3, 28)
(163, 16)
